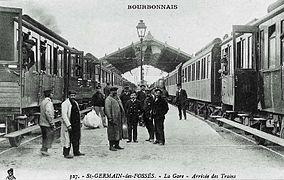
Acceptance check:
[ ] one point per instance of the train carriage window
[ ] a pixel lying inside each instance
(103, 76)
(239, 56)
(182, 79)
(48, 59)
(249, 54)
(208, 66)
(59, 58)
(185, 74)
(198, 70)
(262, 62)
(35, 50)
(43, 56)
(282, 43)
(271, 47)
(193, 72)
(55, 60)
(189, 73)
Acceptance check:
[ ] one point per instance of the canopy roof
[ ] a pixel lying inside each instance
(155, 53)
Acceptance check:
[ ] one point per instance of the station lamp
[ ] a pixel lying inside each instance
(141, 30)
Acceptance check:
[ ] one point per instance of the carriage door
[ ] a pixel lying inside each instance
(245, 73)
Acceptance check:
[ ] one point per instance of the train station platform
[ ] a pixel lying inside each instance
(193, 149)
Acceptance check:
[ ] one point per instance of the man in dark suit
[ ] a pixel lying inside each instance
(181, 98)
(141, 96)
(159, 110)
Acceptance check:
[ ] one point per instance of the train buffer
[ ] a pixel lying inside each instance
(256, 132)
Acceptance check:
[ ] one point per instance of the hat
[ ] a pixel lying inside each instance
(47, 92)
(29, 41)
(113, 89)
(10, 170)
(72, 92)
(142, 85)
(156, 90)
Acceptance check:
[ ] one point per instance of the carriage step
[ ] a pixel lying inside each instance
(243, 115)
(259, 119)
(2, 125)
(230, 112)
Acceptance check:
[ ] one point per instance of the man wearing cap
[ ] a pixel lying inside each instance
(98, 102)
(28, 54)
(107, 89)
(159, 110)
(46, 122)
(141, 96)
(71, 126)
(115, 115)
(181, 98)
(147, 109)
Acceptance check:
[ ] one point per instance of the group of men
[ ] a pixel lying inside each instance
(70, 127)
(128, 108)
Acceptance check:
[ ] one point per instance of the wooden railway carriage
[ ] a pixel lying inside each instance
(24, 76)
(200, 77)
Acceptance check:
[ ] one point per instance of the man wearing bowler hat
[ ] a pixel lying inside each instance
(159, 110)
(46, 121)
(71, 126)
(115, 115)
(181, 98)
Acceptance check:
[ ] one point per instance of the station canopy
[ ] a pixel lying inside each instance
(155, 53)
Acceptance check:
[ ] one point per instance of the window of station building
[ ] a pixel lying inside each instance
(78, 66)
(271, 47)
(189, 73)
(198, 70)
(193, 72)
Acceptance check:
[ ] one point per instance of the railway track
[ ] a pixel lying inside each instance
(225, 129)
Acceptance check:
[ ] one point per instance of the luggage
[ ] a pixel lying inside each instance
(92, 120)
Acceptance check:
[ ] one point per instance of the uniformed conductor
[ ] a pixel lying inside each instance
(160, 109)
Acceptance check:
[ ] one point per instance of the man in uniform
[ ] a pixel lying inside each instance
(133, 110)
(160, 109)
(141, 95)
(181, 98)
(46, 121)
(71, 126)
(115, 113)
(147, 110)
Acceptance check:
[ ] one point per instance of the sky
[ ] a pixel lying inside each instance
(102, 26)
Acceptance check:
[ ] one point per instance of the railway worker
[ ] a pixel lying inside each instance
(107, 89)
(159, 110)
(125, 95)
(115, 115)
(71, 126)
(181, 100)
(28, 54)
(98, 102)
(133, 110)
(46, 122)
(141, 95)
(147, 110)
(10, 174)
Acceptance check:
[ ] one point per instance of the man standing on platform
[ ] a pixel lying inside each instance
(115, 113)
(133, 110)
(147, 110)
(159, 110)
(71, 126)
(125, 96)
(181, 99)
(46, 122)
(98, 102)
(141, 96)
(107, 89)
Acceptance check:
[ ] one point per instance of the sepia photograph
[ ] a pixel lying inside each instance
(141, 89)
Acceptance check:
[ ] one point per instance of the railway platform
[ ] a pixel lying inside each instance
(194, 149)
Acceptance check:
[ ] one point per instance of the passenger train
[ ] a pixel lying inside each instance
(33, 58)
(240, 77)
